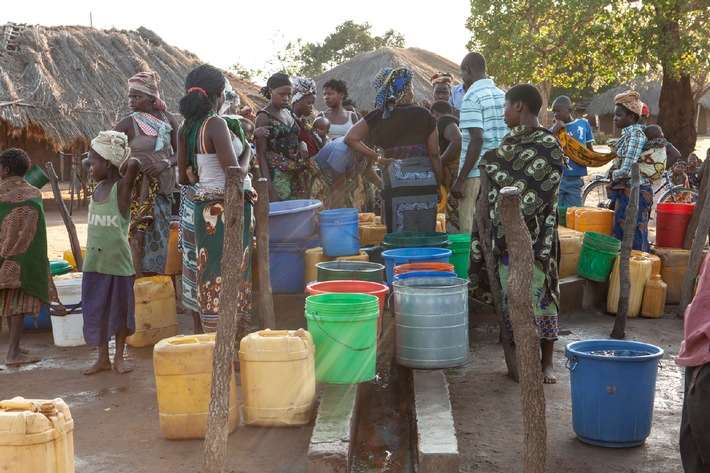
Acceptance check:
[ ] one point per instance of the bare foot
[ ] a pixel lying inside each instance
(100, 365)
(24, 351)
(21, 359)
(120, 366)
(548, 375)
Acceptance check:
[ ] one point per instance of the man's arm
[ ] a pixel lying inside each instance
(473, 152)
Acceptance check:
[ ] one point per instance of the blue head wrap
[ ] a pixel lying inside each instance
(390, 85)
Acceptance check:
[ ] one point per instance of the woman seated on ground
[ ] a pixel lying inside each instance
(411, 167)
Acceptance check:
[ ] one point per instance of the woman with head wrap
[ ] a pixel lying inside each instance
(441, 86)
(277, 153)
(304, 96)
(152, 137)
(207, 145)
(409, 157)
(628, 148)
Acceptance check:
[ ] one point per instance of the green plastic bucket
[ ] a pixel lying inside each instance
(460, 246)
(397, 240)
(596, 258)
(36, 176)
(562, 215)
(344, 330)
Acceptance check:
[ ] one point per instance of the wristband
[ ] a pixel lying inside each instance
(167, 161)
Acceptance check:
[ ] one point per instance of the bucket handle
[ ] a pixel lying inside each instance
(575, 363)
(344, 228)
(315, 319)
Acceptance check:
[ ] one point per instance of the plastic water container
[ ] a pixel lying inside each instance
(371, 233)
(344, 329)
(36, 176)
(350, 270)
(183, 379)
(313, 256)
(36, 436)
(292, 219)
(640, 273)
(287, 265)
(672, 221)
(654, 259)
(359, 287)
(562, 215)
(68, 256)
(674, 264)
(597, 256)
(339, 232)
(278, 377)
(569, 217)
(570, 247)
(366, 217)
(415, 240)
(419, 267)
(173, 264)
(594, 220)
(613, 384)
(431, 322)
(460, 246)
(654, 298)
(361, 255)
(413, 255)
(68, 329)
(156, 314)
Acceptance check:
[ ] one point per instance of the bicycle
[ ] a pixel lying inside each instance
(594, 194)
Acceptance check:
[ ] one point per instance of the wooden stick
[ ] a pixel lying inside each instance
(699, 207)
(223, 355)
(630, 224)
(261, 215)
(484, 230)
(527, 341)
(691, 271)
(71, 229)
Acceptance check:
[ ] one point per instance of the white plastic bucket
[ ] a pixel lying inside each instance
(68, 330)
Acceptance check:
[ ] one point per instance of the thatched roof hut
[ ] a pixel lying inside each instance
(60, 86)
(360, 71)
(649, 87)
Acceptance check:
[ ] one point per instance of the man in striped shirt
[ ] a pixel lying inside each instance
(482, 128)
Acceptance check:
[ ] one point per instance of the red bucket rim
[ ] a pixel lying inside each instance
(675, 207)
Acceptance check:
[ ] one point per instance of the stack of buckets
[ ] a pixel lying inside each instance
(291, 224)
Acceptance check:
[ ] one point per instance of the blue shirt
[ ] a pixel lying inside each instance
(580, 130)
(457, 94)
(482, 107)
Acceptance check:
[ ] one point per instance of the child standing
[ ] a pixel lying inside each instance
(25, 284)
(107, 286)
(679, 176)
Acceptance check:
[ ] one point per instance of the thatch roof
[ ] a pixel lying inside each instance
(648, 86)
(360, 71)
(65, 84)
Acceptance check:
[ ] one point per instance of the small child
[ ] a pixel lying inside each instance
(321, 127)
(692, 171)
(678, 176)
(107, 284)
(652, 161)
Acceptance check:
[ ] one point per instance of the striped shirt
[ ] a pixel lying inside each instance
(482, 107)
(629, 148)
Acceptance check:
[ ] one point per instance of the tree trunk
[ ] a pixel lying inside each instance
(699, 206)
(223, 355)
(677, 108)
(261, 213)
(632, 211)
(526, 338)
(545, 88)
(68, 222)
(484, 230)
(701, 235)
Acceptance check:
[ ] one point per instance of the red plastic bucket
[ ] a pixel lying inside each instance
(672, 221)
(351, 286)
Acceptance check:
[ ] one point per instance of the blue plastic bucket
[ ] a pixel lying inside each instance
(413, 255)
(423, 274)
(613, 386)
(292, 220)
(339, 232)
(41, 323)
(287, 264)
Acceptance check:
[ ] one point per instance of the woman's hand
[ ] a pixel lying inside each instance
(263, 132)
(154, 169)
(457, 190)
(192, 177)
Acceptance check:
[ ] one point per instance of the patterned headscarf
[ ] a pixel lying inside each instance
(112, 146)
(230, 98)
(390, 85)
(147, 82)
(302, 86)
(631, 100)
(441, 78)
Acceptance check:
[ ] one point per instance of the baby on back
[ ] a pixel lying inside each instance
(652, 161)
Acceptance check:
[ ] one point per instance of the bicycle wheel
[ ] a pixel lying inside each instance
(594, 194)
(679, 194)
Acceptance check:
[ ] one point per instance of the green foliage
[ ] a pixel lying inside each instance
(348, 40)
(244, 72)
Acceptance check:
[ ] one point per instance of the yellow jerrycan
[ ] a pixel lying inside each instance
(640, 272)
(570, 246)
(654, 298)
(156, 314)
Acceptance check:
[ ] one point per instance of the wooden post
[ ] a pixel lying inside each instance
(630, 224)
(71, 229)
(527, 341)
(701, 235)
(484, 230)
(699, 207)
(261, 214)
(223, 355)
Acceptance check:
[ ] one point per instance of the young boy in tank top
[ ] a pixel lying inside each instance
(107, 284)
